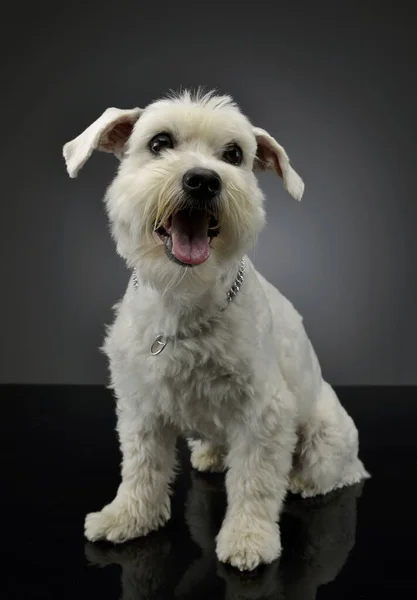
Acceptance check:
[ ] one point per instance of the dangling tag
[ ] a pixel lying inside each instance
(158, 345)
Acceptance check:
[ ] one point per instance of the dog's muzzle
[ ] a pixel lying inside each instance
(188, 233)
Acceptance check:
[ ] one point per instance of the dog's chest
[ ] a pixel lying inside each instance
(201, 382)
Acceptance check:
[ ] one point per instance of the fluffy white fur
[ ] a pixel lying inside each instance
(243, 384)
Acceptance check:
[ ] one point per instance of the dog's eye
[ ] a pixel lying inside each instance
(160, 142)
(233, 154)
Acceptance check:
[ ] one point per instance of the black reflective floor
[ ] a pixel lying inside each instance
(60, 460)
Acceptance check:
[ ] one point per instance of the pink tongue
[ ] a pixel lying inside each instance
(189, 234)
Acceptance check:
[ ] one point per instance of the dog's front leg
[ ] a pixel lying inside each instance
(256, 482)
(142, 503)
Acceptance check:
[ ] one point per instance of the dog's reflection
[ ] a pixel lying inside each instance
(317, 536)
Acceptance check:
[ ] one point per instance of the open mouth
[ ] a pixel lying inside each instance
(187, 236)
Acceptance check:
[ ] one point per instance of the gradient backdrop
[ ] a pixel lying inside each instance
(335, 83)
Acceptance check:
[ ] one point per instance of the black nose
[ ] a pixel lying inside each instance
(201, 183)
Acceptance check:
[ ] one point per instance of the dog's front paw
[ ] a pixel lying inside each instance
(246, 547)
(117, 523)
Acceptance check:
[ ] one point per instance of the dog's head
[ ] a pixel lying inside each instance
(185, 194)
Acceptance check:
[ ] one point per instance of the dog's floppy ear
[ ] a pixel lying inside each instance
(109, 133)
(270, 155)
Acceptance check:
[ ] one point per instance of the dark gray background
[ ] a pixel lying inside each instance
(334, 82)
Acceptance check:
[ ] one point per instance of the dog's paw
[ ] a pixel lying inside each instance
(304, 488)
(116, 523)
(246, 548)
(299, 486)
(206, 458)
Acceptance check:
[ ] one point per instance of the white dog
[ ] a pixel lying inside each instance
(202, 345)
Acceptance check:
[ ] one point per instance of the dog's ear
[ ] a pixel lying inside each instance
(109, 133)
(270, 155)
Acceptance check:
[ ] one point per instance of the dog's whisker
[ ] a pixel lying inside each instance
(172, 285)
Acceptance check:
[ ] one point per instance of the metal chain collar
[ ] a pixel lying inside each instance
(162, 340)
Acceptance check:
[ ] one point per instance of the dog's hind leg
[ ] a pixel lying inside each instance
(327, 453)
(206, 456)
